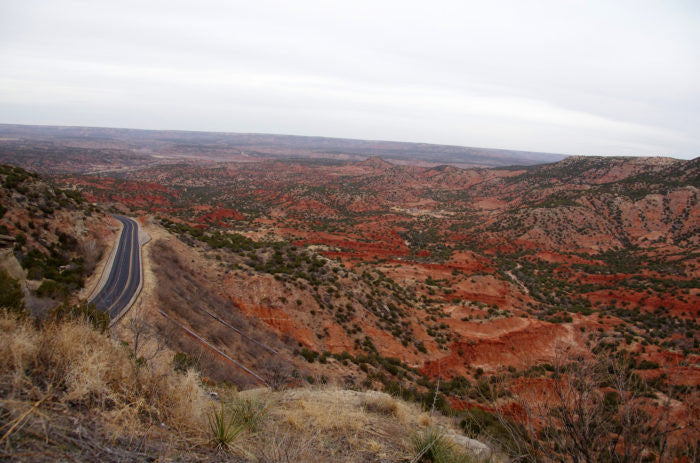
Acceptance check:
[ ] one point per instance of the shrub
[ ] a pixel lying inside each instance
(478, 422)
(183, 362)
(309, 355)
(11, 296)
(647, 365)
(382, 404)
(52, 289)
(20, 239)
(82, 311)
(90, 373)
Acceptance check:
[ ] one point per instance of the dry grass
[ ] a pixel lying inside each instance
(328, 425)
(69, 392)
(382, 404)
(81, 376)
(183, 291)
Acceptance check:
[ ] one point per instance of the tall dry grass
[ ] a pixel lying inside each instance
(77, 371)
(67, 387)
(329, 424)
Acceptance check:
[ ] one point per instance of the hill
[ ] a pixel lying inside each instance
(55, 243)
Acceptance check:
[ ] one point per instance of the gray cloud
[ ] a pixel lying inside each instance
(564, 76)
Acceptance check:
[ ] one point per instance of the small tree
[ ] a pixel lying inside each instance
(277, 373)
(146, 343)
(591, 410)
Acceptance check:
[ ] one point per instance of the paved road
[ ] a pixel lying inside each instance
(125, 274)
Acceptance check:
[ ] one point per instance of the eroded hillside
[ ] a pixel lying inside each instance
(407, 279)
(53, 241)
(482, 269)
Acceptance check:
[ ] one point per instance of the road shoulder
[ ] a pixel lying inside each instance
(105, 266)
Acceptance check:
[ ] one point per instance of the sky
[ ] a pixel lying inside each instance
(575, 77)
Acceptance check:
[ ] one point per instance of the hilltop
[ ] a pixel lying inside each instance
(70, 392)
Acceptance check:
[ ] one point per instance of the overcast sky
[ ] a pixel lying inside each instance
(581, 77)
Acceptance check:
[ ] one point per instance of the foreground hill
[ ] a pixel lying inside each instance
(71, 393)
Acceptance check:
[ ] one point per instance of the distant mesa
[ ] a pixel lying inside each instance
(50, 149)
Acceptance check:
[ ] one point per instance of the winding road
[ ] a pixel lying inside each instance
(124, 277)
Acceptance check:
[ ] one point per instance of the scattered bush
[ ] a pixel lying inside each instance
(383, 405)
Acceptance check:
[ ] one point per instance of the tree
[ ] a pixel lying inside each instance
(591, 409)
(277, 373)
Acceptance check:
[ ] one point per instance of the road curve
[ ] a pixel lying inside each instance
(125, 275)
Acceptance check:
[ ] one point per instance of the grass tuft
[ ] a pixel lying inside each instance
(382, 405)
(92, 379)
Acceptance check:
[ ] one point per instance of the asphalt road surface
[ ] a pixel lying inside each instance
(125, 274)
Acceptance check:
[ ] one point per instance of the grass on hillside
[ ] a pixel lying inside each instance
(68, 391)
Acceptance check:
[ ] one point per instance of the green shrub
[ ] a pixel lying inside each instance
(309, 355)
(647, 365)
(478, 422)
(20, 239)
(52, 289)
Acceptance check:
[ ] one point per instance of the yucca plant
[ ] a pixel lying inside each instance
(431, 446)
(224, 427)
